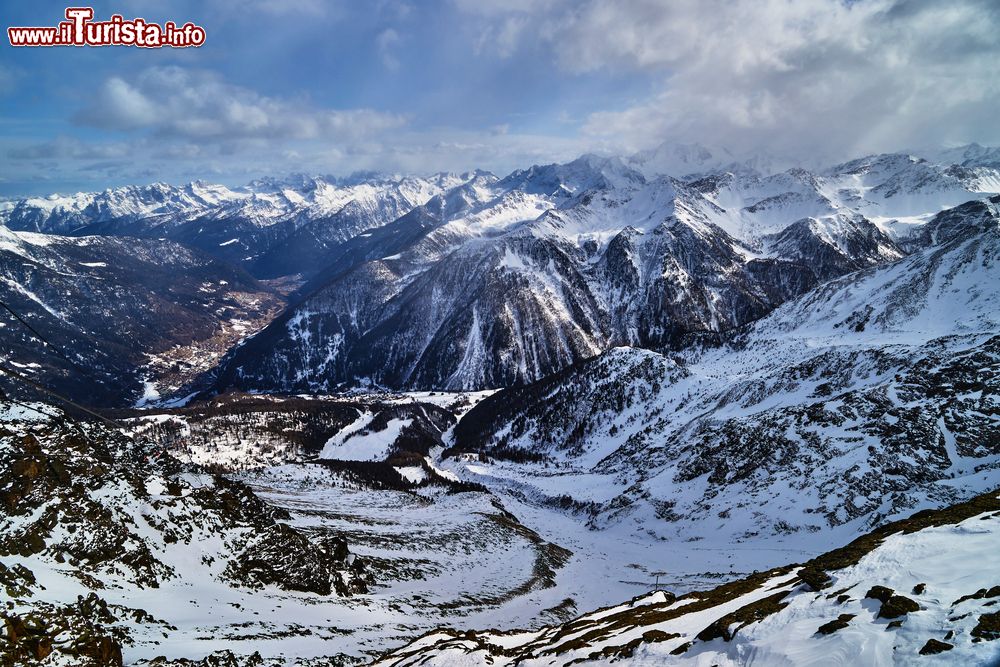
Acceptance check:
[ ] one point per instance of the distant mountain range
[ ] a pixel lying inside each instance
(466, 281)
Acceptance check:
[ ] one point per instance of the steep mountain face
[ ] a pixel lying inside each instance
(272, 227)
(969, 218)
(520, 277)
(911, 592)
(869, 395)
(833, 246)
(126, 317)
(92, 512)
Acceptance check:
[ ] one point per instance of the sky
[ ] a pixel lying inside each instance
(414, 86)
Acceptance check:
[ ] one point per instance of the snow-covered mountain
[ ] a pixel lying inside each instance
(499, 282)
(473, 281)
(700, 378)
(66, 214)
(867, 396)
(865, 399)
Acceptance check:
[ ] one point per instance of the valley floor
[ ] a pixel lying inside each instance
(523, 551)
(509, 558)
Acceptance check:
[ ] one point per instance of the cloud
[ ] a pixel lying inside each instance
(63, 147)
(200, 105)
(505, 83)
(810, 77)
(98, 164)
(293, 8)
(385, 42)
(504, 7)
(396, 9)
(504, 37)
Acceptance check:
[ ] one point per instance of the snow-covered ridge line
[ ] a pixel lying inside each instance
(928, 185)
(317, 193)
(473, 282)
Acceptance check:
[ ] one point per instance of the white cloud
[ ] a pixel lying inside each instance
(237, 160)
(385, 43)
(816, 77)
(504, 7)
(63, 147)
(505, 38)
(199, 105)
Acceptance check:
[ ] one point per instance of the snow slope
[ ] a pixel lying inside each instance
(829, 612)
(106, 543)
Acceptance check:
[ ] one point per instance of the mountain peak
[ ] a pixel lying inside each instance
(587, 172)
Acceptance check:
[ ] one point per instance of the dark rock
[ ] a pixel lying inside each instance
(981, 594)
(814, 577)
(933, 647)
(880, 593)
(839, 623)
(682, 649)
(722, 628)
(897, 606)
(988, 627)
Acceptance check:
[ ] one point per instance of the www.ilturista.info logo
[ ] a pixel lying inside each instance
(79, 29)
